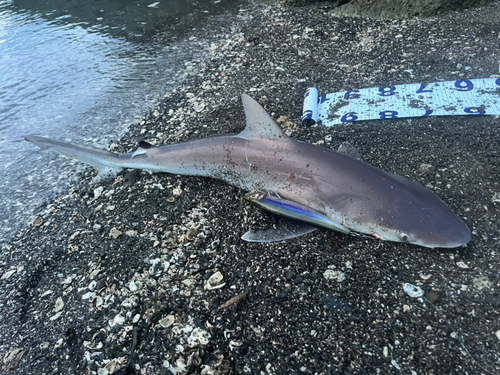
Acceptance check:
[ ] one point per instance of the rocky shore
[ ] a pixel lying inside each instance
(147, 274)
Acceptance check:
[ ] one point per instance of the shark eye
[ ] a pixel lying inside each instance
(404, 236)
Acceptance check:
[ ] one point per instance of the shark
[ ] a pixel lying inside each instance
(317, 186)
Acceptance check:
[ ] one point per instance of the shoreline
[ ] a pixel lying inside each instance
(115, 279)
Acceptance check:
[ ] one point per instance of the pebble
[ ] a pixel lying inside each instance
(56, 316)
(45, 294)
(59, 343)
(177, 191)
(462, 265)
(482, 282)
(431, 296)
(118, 320)
(115, 233)
(132, 286)
(497, 333)
(8, 274)
(496, 198)
(37, 221)
(334, 275)
(99, 301)
(44, 345)
(198, 337)
(395, 364)
(92, 285)
(59, 305)
(413, 290)
(98, 191)
(87, 295)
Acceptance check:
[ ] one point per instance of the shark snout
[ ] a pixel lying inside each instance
(452, 232)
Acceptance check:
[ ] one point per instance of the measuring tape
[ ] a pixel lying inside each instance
(464, 97)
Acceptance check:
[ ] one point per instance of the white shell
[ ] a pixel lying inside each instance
(413, 290)
(167, 321)
(214, 281)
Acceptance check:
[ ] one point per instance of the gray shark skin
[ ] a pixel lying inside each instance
(354, 194)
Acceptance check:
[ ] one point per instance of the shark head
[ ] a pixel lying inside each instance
(415, 215)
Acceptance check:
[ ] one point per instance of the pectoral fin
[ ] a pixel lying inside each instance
(295, 210)
(284, 231)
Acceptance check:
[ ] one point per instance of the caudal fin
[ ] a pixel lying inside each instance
(107, 163)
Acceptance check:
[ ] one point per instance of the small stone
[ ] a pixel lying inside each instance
(395, 364)
(56, 316)
(177, 191)
(98, 191)
(171, 200)
(115, 233)
(453, 335)
(496, 198)
(497, 333)
(87, 295)
(100, 284)
(92, 285)
(413, 290)
(44, 345)
(8, 274)
(37, 221)
(118, 320)
(406, 308)
(131, 233)
(482, 282)
(94, 273)
(462, 265)
(99, 301)
(136, 318)
(198, 337)
(385, 351)
(431, 296)
(132, 286)
(67, 280)
(59, 343)
(59, 305)
(167, 321)
(334, 275)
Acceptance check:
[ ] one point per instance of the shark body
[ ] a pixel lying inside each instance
(304, 179)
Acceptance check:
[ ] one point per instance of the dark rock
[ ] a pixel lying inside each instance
(394, 9)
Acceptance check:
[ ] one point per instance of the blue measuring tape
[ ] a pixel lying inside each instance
(464, 97)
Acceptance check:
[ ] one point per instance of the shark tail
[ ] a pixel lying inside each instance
(107, 163)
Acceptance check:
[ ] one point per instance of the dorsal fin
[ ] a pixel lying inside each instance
(260, 125)
(145, 145)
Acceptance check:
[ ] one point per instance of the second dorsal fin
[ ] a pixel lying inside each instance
(259, 125)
